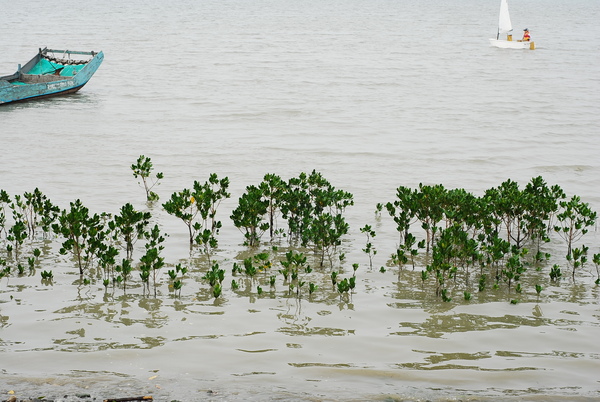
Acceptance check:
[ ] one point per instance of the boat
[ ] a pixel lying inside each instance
(505, 27)
(51, 72)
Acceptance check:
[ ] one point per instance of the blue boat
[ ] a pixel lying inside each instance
(51, 72)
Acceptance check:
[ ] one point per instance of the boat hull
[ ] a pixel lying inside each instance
(30, 83)
(512, 44)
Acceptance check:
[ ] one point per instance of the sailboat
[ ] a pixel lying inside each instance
(505, 27)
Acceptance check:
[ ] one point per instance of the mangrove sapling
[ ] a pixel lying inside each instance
(4, 202)
(403, 211)
(369, 249)
(482, 282)
(555, 272)
(31, 263)
(217, 289)
(16, 236)
(296, 206)
(343, 287)
(596, 261)
(408, 248)
(538, 289)
(574, 219)
(215, 276)
(47, 275)
(511, 205)
(514, 269)
(208, 197)
(37, 211)
(293, 265)
(445, 297)
(172, 274)
(129, 226)
(152, 262)
(324, 232)
(124, 270)
(518, 288)
(424, 276)
(429, 201)
(249, 268)
(273, 189)
(181, 205)
(107, 255)
(334, 275)
(577, 258)
(80, 231)
(143, 169)
(399, 259)
(177, 285)
(249, 215)
(542, 205)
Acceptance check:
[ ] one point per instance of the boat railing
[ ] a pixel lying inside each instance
(65, 56)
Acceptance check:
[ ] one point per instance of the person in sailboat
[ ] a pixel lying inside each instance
(526, 36)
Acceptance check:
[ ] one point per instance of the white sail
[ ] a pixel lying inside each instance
(504, 24)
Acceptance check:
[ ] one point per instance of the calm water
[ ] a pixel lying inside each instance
(373, 94)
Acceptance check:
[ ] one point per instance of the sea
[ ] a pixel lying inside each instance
(373, 94)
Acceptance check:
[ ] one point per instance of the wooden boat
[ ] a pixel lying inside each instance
(505, 27)
(51, 72)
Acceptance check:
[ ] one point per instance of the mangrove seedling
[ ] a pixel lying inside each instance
(249, 268)
(207, 198)
(152, 261)
(129, 226)
(399, 259)
(538, 289)
(596, 261)
(177, 285)
(577, 258)
(143, 169)
(215, 275)
(249, 216)
(445, 297)
(482, 282)
(217, 289)
(125, 270)
(334, 275)
(273, 189)
(47, 275)
(181, 205)
(555, 272)
(343, 286)
(424, 276)
(369, 248)
(574, 219)
(80, 231)
(17, 235)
